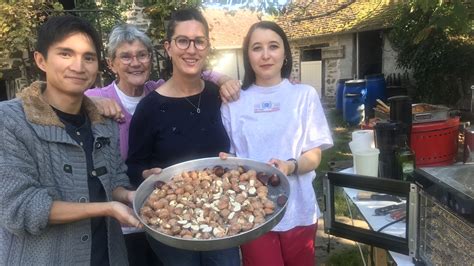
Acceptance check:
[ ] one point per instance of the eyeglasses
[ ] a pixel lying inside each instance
(142, 57)
(183, 43)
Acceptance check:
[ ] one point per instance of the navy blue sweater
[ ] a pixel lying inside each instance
(165, 131)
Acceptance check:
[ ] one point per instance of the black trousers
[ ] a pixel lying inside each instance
(139, 251)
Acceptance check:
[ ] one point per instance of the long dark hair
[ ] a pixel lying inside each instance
(181, 15)
(249, 76)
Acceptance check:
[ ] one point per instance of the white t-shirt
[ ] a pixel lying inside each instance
(280, 122)
(129, 102)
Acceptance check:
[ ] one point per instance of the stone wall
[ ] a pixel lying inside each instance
(13, 76)
(334, 69)
(296, 56)
(135, 16)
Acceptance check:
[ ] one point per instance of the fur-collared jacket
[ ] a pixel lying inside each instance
(41, 163)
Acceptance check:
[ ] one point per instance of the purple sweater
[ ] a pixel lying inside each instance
(109, 92)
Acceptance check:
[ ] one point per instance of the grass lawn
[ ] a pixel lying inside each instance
(347, 257)
(341, 133)
(340, 152)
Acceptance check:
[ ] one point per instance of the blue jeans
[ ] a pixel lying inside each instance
(171, 256)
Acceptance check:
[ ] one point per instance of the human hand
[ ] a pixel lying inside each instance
(225, 155)
(109, 108)
(130, 196)
(153, 171)
(230, 90)
(123, 214)
(285, 167)
(123, 195)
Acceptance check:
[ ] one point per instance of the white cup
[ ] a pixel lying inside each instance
(366, 162)
(357, 146)
(364, 137)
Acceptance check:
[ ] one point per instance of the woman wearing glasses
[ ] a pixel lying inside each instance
(180, 121)
(130, 57)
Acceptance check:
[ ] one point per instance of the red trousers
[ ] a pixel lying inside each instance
(294, 247)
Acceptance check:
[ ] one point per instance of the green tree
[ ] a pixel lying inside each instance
(18, 24)
(434, 39)
(104, 14)
(160, 11)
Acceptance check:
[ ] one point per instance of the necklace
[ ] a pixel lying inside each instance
(198, 109)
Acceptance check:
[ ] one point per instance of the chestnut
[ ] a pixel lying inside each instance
(242, 169)
(262, 177)
(218, 170)
(159, 184)
(281, 200)
(274, 180)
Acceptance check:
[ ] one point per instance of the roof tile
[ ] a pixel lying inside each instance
(316, 18)
(228, 28)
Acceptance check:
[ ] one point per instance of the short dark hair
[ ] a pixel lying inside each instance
(249, 76)
(57, 28)
(181, 15)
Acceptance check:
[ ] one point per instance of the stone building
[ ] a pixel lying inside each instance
(336, 39)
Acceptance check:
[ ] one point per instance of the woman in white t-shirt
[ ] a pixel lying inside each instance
(281, 123)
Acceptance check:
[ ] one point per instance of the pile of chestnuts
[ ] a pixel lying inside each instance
(211, 203)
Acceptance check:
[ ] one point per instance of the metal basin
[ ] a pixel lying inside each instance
(147, 187)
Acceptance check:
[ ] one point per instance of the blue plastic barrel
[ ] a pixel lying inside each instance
(376, 89)
(353, 101)
(340, 94)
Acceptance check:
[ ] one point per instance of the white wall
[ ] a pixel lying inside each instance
(346, 64)
(389, 58)
(229, 62)
(311, 74)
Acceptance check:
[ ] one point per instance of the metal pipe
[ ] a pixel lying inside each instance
(472, 98)
(357, 55)
(412, 222)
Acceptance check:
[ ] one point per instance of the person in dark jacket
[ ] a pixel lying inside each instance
(64, 188)
(180, 121)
